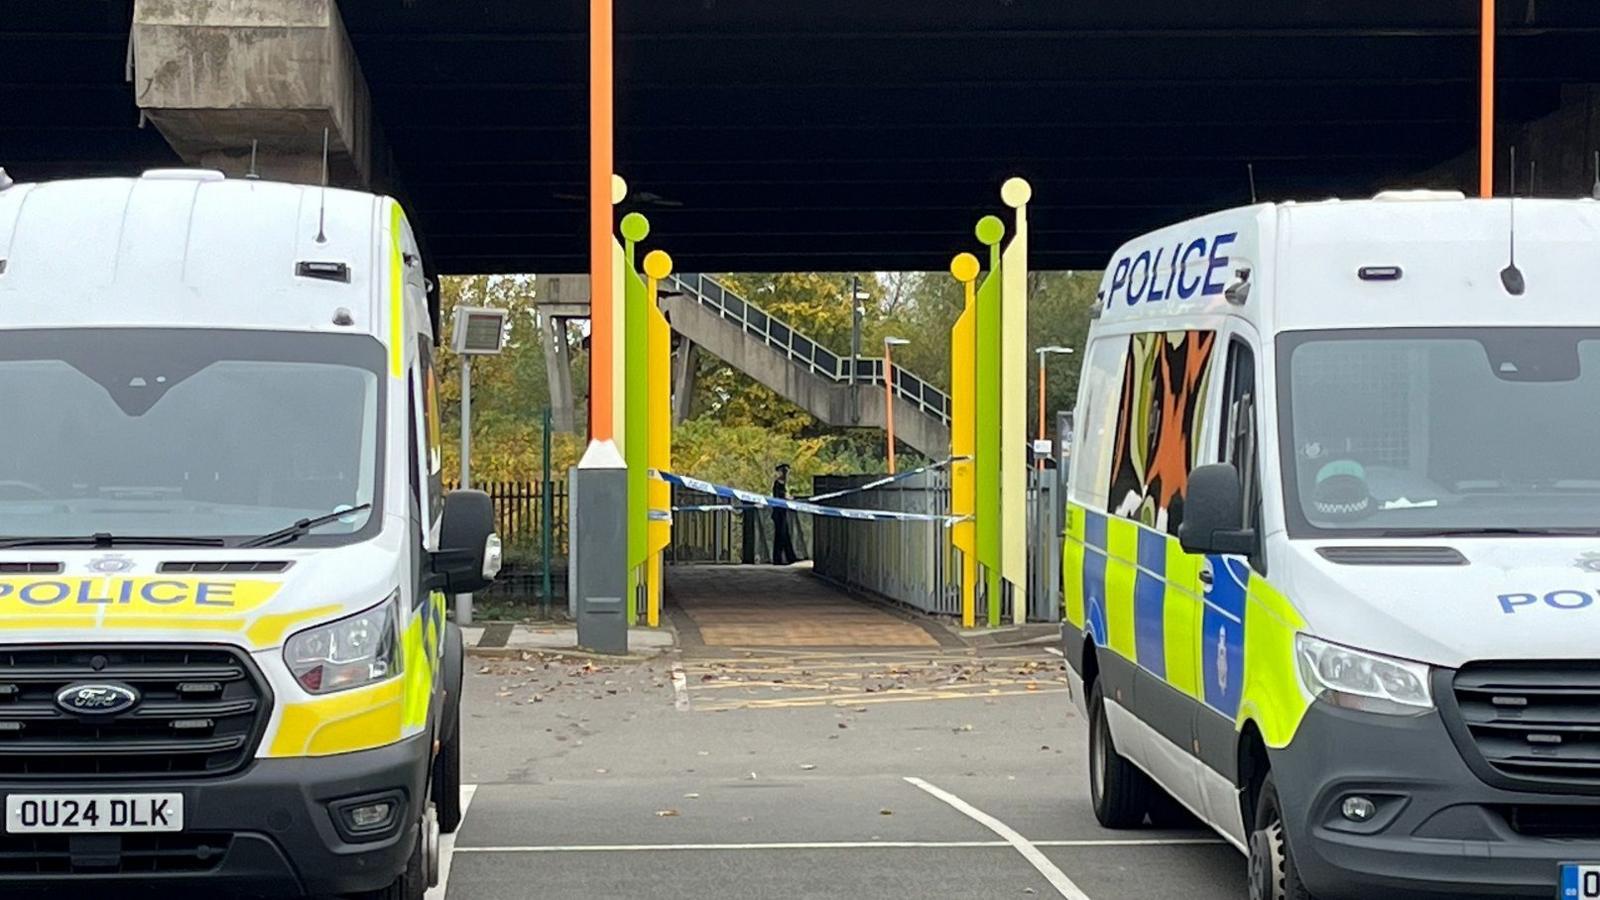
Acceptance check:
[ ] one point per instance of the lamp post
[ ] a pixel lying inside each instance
(888, 390)
(1043, 352)
(858, 296)
(477, 331)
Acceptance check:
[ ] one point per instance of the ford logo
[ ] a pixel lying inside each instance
(96, 699)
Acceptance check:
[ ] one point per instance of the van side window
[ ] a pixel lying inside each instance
(1238, 435)
(432, 438)
(1095, 421)
(1160, 412)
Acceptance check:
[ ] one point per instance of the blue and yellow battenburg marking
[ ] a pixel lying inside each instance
(1209, 626)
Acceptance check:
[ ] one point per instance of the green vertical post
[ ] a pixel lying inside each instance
(636, 406)
(547, 518)
(987, 446)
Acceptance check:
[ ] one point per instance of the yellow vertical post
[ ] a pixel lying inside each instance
(657, 266)
(963, 435)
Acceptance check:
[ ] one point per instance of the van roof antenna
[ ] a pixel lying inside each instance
(253, 174)
(1595, 191)
(1533, 178)
(1250, 169)
(1511, 276)
(322, 208)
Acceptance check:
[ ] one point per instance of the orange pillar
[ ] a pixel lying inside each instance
(1486, 105)
(602, 125)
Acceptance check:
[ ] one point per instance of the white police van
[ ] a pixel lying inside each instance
(224, 656)
(1332, 570)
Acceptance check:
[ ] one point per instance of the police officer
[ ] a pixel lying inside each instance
(782, 545)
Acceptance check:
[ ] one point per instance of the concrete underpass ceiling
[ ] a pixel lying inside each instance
(853, 134)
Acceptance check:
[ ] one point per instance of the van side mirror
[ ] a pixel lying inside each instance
(469, 554)
(1213, 509)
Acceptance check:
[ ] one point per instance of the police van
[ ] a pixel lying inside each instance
(1332, 565)
(225, 659)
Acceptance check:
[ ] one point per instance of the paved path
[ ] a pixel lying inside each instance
(772, 606)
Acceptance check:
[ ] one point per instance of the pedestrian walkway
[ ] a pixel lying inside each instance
(734, 607)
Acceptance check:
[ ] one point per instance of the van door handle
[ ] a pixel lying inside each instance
(1206, 578)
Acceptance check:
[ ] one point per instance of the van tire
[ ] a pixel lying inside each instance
(447, 780)
(412, 884)
(1273, 874)
(1119, 791)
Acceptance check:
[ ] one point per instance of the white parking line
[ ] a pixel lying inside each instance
(1030, 851)
(447, 845)
(836, 845)
(680, 687)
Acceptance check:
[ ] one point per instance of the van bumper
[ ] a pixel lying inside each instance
(268, 831)
(1439, 831)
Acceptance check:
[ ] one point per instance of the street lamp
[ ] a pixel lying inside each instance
(888, 390)
(858, 297)
(1043, 352)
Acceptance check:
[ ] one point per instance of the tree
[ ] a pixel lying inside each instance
(509, 392)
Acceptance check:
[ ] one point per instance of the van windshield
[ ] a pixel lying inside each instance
(1463, 431)
(187, 432)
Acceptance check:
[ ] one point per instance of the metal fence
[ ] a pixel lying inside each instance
(519, 517)
(799, 349)
(729, 535)
(914, 562)
(908, 562)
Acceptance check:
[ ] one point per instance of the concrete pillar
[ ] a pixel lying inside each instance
(600, 533)
(1559, 149)
(558, 369)
(685, 368)
(213, 76)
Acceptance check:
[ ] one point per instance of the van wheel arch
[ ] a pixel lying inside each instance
(1252, 768)
(1091, 665)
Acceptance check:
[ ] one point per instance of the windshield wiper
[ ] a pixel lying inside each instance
(303, 527)
(102, 539)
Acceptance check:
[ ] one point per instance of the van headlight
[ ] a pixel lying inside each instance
(1355, 679)
(352, 652)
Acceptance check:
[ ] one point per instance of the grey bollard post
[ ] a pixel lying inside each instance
(601, 539)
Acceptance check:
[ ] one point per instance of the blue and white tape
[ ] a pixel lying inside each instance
(888, 480)
(747, 499)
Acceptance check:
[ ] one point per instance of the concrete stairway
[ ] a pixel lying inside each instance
(814, 378)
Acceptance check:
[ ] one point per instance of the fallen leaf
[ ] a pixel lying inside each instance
(886, 811)
(806, 767)
(666, 813)
(691, 796)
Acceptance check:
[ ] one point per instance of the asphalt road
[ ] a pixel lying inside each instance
(915, 774)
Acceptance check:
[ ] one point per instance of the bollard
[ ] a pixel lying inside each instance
(600, 542)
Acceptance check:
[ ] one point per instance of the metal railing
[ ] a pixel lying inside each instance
(908, 562)
(914, 562)
(804, 351)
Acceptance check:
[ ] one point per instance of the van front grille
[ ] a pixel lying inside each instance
(1537, 724)
(128, 854)
(200, 712)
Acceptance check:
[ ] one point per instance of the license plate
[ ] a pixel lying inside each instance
(1580, 881)
(93, 813)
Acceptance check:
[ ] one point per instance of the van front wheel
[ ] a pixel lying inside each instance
(1273, 875)
(1120, 792)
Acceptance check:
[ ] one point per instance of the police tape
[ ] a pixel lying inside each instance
(750, 500)
(888, 480)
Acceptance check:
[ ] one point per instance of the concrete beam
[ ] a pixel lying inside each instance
(686, 368)
(214, 76)
(1557, 151)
